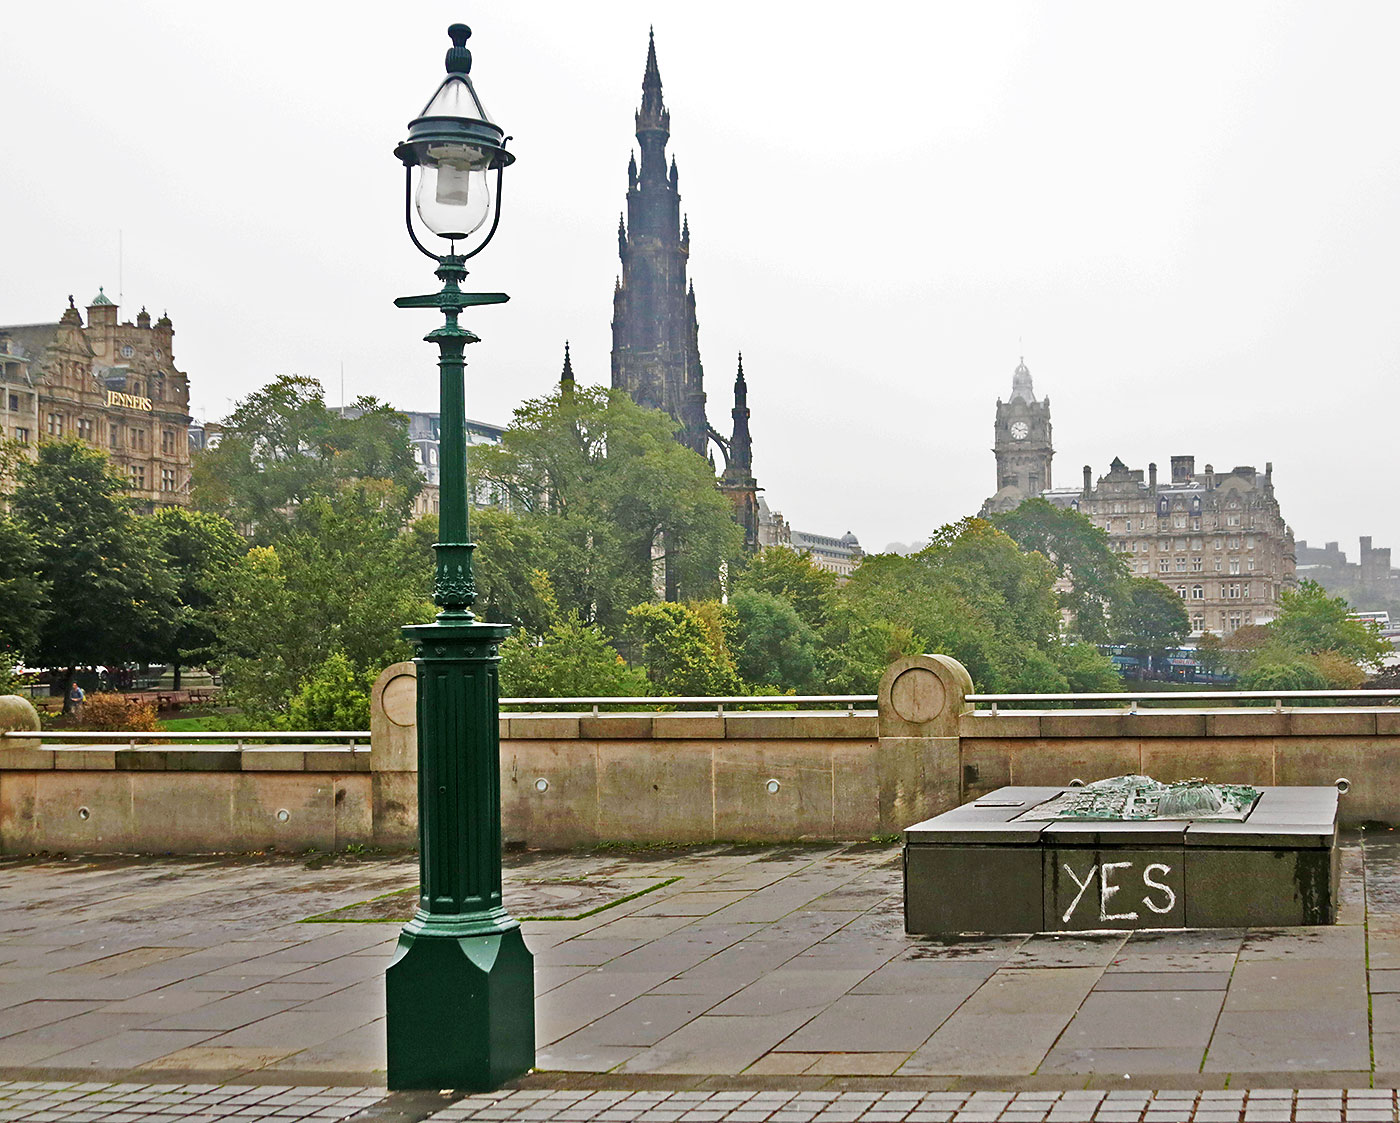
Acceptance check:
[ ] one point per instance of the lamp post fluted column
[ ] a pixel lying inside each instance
(460, 990)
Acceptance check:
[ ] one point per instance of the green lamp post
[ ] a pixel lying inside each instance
(460, 992)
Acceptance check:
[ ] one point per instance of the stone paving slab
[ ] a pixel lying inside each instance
(749, 965)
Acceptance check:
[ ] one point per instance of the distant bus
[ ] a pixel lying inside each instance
(1380, 619)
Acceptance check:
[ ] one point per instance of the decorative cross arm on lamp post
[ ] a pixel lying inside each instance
(460, 992)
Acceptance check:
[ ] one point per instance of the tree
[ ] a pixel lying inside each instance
(282, 446)
(1210, 653)
(1311, 622)
(343, 577)
(1086, 670)
(198, 550)
(971, 593)
(109, 591)
(333, 696)
(1080, 552)
(23, 592)
(511, 564)
(1149, 618)
(773, 644)
(570, 660)
(785, 573)
(606, 484)
(683, 654)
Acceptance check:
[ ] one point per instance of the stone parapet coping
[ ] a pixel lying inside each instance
(860, 725)
(92, 757)
(1237, 722)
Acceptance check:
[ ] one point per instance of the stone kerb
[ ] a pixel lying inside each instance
(393, 757)
(922, 699)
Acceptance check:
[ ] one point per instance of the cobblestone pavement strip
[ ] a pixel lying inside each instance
(94, 1102)
(126, 1102)
(761, 967)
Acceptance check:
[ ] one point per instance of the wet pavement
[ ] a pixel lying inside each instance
(703, 971)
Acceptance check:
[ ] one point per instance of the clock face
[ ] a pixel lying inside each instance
(1020, 430)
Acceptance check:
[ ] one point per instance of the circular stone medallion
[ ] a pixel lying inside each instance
(400, 700)
(918, 695)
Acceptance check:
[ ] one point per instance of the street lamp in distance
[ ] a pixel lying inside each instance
(460, 991)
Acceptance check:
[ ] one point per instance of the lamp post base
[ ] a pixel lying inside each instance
(461, 1011)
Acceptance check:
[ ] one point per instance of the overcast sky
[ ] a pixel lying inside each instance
(1185, 217)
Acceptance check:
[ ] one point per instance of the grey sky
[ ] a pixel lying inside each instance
(1187, 213)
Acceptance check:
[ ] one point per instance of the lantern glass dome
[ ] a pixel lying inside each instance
(458, 152)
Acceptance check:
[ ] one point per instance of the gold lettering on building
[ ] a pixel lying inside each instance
(128, 401)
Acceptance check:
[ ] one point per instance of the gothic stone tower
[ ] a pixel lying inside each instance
(737, 481)
(656, 351)
(1022, 445)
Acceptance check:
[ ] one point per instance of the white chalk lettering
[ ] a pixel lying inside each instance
(1151, 884)
(1083, 885)
(1106, 891)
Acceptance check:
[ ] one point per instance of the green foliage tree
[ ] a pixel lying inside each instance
(1086, 671)
(343, 577)
(1311, 622)
(773, 644)
(1313, 644)
(1210, 653)
(795, 578)
(1149, 618)
(1281, 670)
(570, 660)
(972, 593)
(1080, 552)
(23, 592)
(511, 564)
(335, 695)
(282, 446)
(108, 589)
(198, 550)
(683, 653)
(855, 648)
(605, 483)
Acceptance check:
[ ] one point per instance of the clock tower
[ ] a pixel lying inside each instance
(1022, 445)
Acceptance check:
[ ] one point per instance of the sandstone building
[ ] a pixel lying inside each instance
(655, 333)
(1218, 540)
(1022, 444)
(111, 384)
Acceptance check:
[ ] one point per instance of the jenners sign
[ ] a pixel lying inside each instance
(128, 401)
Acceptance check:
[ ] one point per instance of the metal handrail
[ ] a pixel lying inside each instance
(715, 702)
(701, 699)
(349, 740)
(1130, 702)
(1176, 695)
(53, 738)
(174, 734)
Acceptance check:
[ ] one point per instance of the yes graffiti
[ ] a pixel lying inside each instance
(1157, 896)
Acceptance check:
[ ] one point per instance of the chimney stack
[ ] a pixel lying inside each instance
(1088, 480)
(1152, 478)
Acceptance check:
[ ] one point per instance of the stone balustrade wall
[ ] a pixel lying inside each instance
(579, 779)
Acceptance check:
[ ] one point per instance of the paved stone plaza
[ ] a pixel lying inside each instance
(734, 977)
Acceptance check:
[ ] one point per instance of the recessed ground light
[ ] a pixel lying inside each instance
(541, 785)
(772, 786)
(283, 814)
(84, 813)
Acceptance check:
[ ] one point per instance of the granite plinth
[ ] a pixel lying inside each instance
(989, 867)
